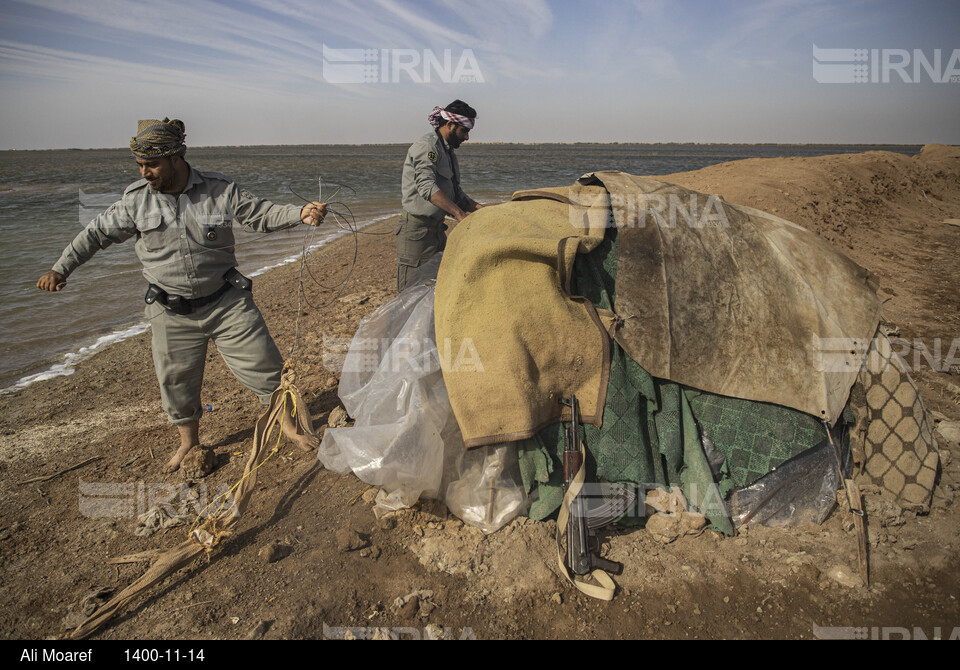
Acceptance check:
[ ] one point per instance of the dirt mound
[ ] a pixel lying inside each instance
(312, 560)
(846, 198)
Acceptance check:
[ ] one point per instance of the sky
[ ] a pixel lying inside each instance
(79, 73)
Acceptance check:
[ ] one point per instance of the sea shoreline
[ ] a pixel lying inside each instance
(64, 364)
(476, 143)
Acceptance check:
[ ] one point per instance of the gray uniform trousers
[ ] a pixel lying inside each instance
(418, 238)
(180, 348)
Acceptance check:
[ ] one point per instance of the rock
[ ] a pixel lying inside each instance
(844, 576)
(72, 620)
(370, 552)
(414, 603)
(950, 432)
(659, 500)
(410, 608)
(433, 632)
(349, 540)
(370, 495)
(426, 607)
(693, 522)
(258, 630)
(946, 458)
(338, 417)
(274, 551)
(665, 528)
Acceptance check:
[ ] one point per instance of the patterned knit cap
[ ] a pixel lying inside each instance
(158, 139)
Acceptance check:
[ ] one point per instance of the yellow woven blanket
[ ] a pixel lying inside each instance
(512, 341)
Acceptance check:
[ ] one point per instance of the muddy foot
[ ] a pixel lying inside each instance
(174, 463)
(199, 463)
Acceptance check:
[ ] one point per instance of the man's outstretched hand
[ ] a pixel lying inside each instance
(51, 281)
(313, 213)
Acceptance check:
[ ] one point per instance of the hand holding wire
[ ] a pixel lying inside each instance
(313, 213)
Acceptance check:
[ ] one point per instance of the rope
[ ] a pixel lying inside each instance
(201, 540)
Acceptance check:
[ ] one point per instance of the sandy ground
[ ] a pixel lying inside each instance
(310, 559)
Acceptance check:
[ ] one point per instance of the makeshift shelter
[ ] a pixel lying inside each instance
(713, 348)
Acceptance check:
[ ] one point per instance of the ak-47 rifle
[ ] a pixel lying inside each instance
(583, 545)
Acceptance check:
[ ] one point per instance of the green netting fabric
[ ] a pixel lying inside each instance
(652, 428)
(753, 437)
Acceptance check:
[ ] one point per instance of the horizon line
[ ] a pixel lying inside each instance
(492, 143)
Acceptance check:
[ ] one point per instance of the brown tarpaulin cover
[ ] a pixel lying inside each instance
(719, 297)
(735, 301)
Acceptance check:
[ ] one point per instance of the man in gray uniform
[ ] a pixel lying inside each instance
(182, 219)
(431, 190)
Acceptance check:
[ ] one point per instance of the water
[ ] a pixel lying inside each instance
(47, 196)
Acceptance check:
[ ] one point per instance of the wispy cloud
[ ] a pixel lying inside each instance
(264, 58)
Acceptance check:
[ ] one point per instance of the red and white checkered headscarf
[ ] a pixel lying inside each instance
(439, 113)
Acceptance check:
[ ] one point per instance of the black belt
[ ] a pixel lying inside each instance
(429, 220)
(180, 305)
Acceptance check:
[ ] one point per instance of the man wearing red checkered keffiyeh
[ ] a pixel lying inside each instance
(431, 190)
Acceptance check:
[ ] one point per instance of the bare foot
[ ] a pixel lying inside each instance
(198, 463)
(189, 439)
(174, 463)
(303, 440)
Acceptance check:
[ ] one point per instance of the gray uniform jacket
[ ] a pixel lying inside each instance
(185, 244)
(431, 166)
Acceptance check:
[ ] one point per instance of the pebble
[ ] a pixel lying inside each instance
(665, 528)
(273, 552)
(372, 553)
(843, 575)
(349, 540)
(338, 417)
(258, 630)
(410, 608)
(357, 298)
(950, 432)
(433, 632)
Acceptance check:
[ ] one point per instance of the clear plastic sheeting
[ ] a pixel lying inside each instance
(489, 492)
(405, 438)
(802, 489)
